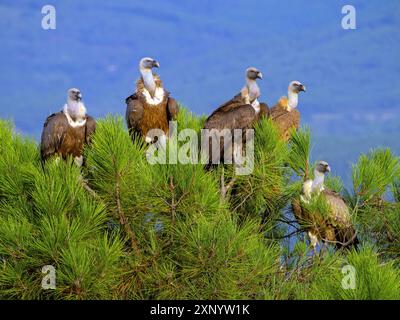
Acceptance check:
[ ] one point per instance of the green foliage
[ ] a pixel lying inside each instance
(121, 228)
(335, 183)
(219, 260)
(263, 193)
(114, 165)
(188, 120)
(317, 206)
(376, 201)
(373, 280)
(373, 173)
(300, 272)
(299, 155)
(46, 218)
(396, 190)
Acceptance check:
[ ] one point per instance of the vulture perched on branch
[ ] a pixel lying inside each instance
(65, 133)
(151, 107)
(241, 112)
(285, 114)
(336, 226)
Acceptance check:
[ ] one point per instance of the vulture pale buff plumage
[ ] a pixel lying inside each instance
(241, 112)
(285, 114)
(151, 106)
(336, 227)
(65, 133)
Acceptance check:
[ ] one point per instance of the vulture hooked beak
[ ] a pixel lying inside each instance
(328, 169)
(302, 88)
(259, 75)
(156, 64)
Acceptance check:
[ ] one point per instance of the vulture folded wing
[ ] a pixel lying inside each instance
(336, 228)
(278, 112)
(172, 109)
(297, 210)
(340, 214)
(264, 110)
(345, 234)
(90, 128)
(241, 117)
(285, 120)
(304, 217)
(235, 102)
(134, 113)
(234, 118)
(54, 131)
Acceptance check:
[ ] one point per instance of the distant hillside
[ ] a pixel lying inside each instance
(203, 47)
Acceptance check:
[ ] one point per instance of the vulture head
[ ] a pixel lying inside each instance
(74, 94)
(253, 73)
(316, 185)
(148, 64)
(296, 87)
(322, 167)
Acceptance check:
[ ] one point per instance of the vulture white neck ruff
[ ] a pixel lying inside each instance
(293, 100)
(254, 89)
(318, 182)
(256, 105)
(158, 96)
(313, 186)
(307, 187)
(150, 86)
(80, 119)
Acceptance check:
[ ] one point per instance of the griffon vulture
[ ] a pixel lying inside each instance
(285, 114)
(65, 133)
(335, 227)
(151, 106)
(241, 112)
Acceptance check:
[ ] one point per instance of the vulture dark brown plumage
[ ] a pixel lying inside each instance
(241, 112)
(285, 114)
(335, 228)
(64, 134)
(150, 108)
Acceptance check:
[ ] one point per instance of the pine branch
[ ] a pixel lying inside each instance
(225, 187)
(123, 220)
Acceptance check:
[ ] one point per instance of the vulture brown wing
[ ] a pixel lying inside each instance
(134, 113)
(345, 232)
(235, 102)
(235, 118)
(264, 110)
(277, 112)
(54, 131)
(297, 209)
(172, 109)
(340, 214)
(90, 128)
(285, 120)
(241, 117)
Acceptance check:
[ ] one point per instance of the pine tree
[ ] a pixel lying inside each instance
(122, 228)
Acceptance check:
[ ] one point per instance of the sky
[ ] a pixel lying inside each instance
(353, 92)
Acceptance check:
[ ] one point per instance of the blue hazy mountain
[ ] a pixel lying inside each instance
(353, 91)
